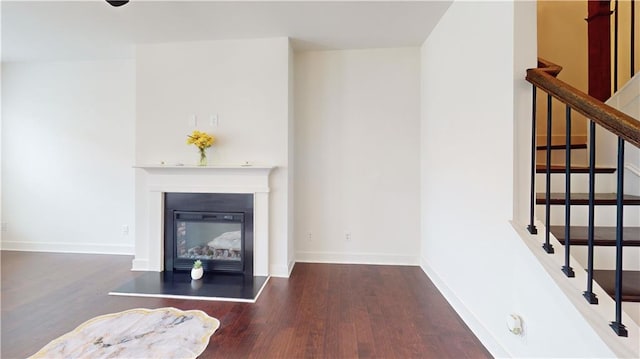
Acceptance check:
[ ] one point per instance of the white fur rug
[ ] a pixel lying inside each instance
(136, 333)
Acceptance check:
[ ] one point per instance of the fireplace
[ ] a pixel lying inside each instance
(215, 228)
(154, 182)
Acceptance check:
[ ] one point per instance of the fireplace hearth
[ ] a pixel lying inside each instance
(215, 228)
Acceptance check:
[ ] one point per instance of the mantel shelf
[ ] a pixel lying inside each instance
(221, 167)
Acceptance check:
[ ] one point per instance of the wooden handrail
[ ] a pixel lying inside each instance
(549, 67)
(620, 124)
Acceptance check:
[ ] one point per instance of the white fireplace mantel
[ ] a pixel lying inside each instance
(208, 179)
(156, 180)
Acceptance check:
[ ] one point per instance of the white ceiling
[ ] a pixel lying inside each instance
(92, 29)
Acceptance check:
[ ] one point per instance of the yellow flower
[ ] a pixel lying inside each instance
(201, 139)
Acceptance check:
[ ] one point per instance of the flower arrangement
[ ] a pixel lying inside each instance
(202, 140)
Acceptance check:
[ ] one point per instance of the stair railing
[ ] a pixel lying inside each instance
(625, 127)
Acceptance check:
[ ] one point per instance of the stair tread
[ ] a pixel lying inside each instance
(630, 283)
(583, 199)
(602, 236)
(574, 169)
(562, 146)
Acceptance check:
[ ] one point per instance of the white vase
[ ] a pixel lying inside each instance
(196, 273)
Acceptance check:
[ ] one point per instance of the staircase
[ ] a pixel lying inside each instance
(603, 236)
(596, 194)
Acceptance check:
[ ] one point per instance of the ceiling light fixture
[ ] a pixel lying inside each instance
(117, 3)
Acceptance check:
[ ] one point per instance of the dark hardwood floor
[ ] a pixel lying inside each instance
(322, 311)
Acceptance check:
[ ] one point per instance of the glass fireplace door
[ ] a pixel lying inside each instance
(217, 239)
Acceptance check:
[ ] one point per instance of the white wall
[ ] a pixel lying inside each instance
(2, 225)
(291, 173)
(357, 148)
(245, 82)
(67, 151)
(468, 247)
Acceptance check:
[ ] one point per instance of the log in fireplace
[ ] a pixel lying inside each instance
(215, 228)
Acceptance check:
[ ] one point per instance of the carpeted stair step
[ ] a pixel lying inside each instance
(602, 236)
(583, 199)
(630, 283)
(574, 169)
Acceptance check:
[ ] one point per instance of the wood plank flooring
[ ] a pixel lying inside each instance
(321, 311)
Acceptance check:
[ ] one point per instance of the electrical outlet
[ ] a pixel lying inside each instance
(347, 236)
(309, 236)
(213, 120)
(125, 230)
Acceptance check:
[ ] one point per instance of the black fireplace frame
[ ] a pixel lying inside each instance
(208, 203)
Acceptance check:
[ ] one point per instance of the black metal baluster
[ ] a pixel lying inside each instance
(615, 47)
(548, 247)
(531, 227)
(617, 326)
(568, 271)
(591, 297)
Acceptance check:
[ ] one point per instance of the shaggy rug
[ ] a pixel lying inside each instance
(136, 333)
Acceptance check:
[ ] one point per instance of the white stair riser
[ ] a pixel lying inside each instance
(604, 215)
(605, 257)
(605, 182)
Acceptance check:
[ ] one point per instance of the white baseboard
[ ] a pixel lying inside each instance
(357, 258)
(140, 265)
(279, 271)
(476, 326)
(88, 248)
(291, 265)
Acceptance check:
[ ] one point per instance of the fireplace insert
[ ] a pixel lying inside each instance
(214, 238)
(216, 229)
